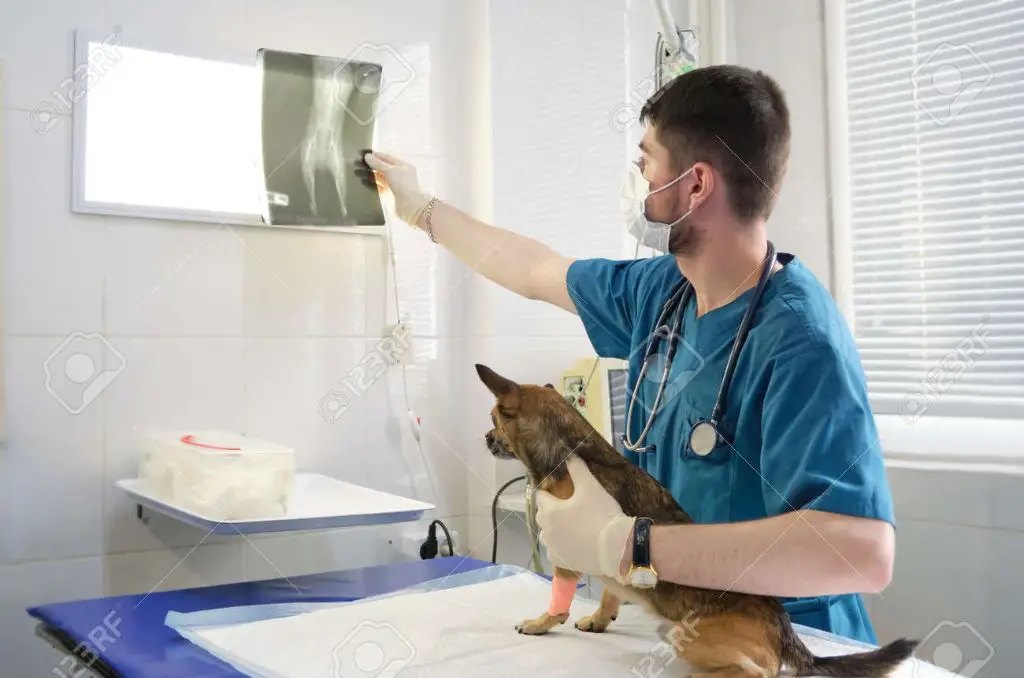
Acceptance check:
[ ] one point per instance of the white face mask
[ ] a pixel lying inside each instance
(635, 191)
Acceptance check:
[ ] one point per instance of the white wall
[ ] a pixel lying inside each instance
(564, 114)
(237, 328)
(960, 538)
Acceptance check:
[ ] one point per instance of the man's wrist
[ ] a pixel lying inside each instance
(626, 561)
(616, 543)
(420, 217)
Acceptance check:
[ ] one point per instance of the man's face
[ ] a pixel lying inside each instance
(669, 205)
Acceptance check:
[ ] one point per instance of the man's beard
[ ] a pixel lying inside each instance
(684, 239)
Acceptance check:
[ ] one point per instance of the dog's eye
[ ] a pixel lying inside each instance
(494, 422)
(507, 415)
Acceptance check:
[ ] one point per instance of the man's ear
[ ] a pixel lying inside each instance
(502, 388)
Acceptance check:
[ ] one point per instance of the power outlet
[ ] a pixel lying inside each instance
(414, 536)
(443, 547)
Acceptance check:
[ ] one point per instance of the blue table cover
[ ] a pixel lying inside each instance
(143, 646)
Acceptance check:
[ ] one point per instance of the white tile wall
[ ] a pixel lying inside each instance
(158, 279)
(210, 326)
(313, 285)
(53, 260)
(52, 480)
(36, 40)
(174, 568)
(294, 555)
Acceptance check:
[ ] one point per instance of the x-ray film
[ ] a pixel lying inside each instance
(317, 124)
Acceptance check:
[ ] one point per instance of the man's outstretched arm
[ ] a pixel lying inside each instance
(521, 265)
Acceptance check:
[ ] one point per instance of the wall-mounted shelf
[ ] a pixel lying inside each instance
(318, 503)
(515, 503)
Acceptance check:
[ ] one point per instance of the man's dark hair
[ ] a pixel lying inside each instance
(734, 119)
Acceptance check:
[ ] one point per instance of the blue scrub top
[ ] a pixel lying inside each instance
(801, 430)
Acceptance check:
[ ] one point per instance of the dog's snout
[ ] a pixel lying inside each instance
(489, 438)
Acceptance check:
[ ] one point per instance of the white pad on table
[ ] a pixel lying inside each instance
(460, 632)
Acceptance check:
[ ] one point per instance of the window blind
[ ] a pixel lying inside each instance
(935, 100)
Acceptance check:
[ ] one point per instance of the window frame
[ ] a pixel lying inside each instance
(80, 113)
(939, 438)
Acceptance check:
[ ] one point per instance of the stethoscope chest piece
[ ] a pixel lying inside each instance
(704, 438)
(704, 435)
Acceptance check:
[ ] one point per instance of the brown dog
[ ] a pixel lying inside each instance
(737, 635)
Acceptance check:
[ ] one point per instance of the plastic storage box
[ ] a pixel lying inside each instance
(218, 474)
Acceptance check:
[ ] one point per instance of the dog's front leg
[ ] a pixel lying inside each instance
(604, 615)
(563, 589)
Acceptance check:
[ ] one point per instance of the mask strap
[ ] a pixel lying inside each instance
(650, 193)
(671, 182)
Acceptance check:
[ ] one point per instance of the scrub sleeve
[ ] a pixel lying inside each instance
(606, 294)
(820, 451)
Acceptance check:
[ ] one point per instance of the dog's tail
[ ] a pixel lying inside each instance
(871, 664)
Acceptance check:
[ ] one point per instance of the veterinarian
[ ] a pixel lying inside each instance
(793, 501)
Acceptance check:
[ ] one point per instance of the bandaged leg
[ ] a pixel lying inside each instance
(563, 590)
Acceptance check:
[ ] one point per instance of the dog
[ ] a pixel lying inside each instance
(738, 635)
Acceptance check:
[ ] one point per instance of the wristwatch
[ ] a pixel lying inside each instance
(641, 573)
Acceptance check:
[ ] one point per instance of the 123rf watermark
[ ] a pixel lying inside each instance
(86, 652)
(372, 650)
(389, 351)
(80, 368)
(100, 59)
(674, 638)
(948, 81)
(626, 113)
(956, 647)
(376, 70)
(946, 373)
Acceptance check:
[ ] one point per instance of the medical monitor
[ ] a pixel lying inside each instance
(597, 388)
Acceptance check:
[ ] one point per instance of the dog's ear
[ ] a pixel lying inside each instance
(497, 384)
(551, 386)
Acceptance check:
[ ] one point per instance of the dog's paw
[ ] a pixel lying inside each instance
(593, 623)
(541, 625)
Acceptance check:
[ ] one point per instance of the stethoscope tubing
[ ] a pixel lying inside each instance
(679, 299)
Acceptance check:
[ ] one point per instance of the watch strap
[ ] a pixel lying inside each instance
(642, 542)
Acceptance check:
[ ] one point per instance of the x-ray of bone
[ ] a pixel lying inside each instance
(317, 124)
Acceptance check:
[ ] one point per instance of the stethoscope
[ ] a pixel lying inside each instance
(706, 434)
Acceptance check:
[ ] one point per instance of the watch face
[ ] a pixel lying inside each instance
(643, 578)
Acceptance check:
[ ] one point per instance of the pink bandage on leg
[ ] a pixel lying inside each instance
(562, 592)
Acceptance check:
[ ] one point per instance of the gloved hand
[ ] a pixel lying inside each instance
(400, 177)
(588, 532)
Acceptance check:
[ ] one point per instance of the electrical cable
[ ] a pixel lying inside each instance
(494, 518)
(405, 379)
(451, 543)
(431, 543)
(531, 527)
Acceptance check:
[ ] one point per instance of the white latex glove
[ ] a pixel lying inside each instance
(588, 532)
(401, 178)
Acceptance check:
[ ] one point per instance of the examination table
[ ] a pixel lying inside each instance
(127, 635)
(142, 646)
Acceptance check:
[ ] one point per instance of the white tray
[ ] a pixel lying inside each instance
(318, 502)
